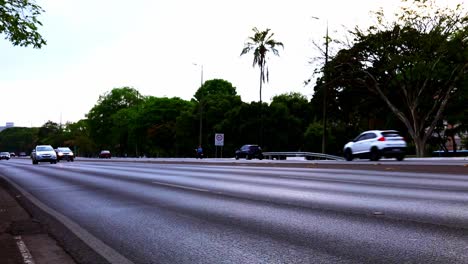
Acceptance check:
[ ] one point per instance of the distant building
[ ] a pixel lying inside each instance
(7, 125)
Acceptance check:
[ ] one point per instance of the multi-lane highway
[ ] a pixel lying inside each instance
(205, 213)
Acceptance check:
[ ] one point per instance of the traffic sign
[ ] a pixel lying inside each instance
(219, 139)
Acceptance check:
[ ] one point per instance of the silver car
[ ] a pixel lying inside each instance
(43, 153)
(4, 155)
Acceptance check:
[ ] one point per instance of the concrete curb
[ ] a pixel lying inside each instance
(79, 243)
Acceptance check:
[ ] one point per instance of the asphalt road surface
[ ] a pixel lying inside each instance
(205, 213)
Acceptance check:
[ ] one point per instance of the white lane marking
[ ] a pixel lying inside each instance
(182, 187)
(27, 257)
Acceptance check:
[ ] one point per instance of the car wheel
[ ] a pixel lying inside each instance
(237, 157)
(34, 162)
(400, 157)
(348, 154)
(260, 157)
(374, 154)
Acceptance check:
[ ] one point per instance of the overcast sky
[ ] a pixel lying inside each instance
(94, 46)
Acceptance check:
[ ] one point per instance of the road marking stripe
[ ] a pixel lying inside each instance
(182, 187)
(27, 257)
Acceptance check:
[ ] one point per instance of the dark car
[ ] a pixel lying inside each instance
(105, 154)
(249, 152)
(12, 154)
(64, 153)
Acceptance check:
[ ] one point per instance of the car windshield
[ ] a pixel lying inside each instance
(4, 153)
(44, 148)
(64, 149)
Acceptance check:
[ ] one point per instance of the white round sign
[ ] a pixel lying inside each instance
(219, 139)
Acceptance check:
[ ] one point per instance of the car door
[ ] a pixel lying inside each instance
(367, 142)
(362, 143)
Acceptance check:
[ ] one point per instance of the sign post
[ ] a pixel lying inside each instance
(219, 141)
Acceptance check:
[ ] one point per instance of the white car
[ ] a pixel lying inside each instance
(4, 155)
(43, 153)
(375, 144)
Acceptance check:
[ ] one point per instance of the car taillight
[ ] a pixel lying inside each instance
(381, 139)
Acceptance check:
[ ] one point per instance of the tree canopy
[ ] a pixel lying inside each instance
(415, 65)
(19, 21)
(261, 43)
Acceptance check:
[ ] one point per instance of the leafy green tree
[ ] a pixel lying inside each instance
(19, 22)
(50, 134)
(107, 125)
(286, 119)
(260, 44)
(18, 139)
(217, 97)
(415, 64)
(157, 123)
(77, 137)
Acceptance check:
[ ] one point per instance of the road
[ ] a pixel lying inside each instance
(203, 213)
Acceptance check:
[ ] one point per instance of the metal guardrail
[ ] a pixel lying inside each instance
(312, 155)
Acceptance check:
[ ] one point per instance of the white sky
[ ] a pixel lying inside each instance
(151, 45)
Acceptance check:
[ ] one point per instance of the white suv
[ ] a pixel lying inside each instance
(375, 144)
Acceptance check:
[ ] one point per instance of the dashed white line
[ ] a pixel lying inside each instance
(27, 257)
(182, 187)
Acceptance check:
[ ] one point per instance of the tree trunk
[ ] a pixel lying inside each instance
(420, 146)
(261, 81)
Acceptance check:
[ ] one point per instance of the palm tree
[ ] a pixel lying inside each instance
(261, 43)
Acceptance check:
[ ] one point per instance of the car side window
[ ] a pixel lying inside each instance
(361, 137)
(371, 136)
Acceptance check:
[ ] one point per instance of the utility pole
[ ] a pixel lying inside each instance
(325, 91)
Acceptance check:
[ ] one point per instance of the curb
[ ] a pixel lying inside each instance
(79, 243)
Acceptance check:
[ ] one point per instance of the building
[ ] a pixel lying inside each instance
(7, 125)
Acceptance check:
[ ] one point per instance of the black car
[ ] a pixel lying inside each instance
(64, 153)
(249, 152)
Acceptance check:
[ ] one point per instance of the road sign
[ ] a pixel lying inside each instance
(219, 139)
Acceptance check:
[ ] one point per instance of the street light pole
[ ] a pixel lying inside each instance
(325, 90)
(200, 103)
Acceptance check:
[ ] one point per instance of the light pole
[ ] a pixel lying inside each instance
(325, 90)
(200, 106)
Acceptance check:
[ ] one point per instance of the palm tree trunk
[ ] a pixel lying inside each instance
(261, 81)
(261, 109)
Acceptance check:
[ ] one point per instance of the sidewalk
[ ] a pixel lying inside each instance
(23, 239)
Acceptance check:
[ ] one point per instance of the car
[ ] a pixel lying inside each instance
(22, 154)
(4, 155)
(12, 154)
(43, 153)
(105, 154)
(374, 144)
(249, 151)
(64, 153)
